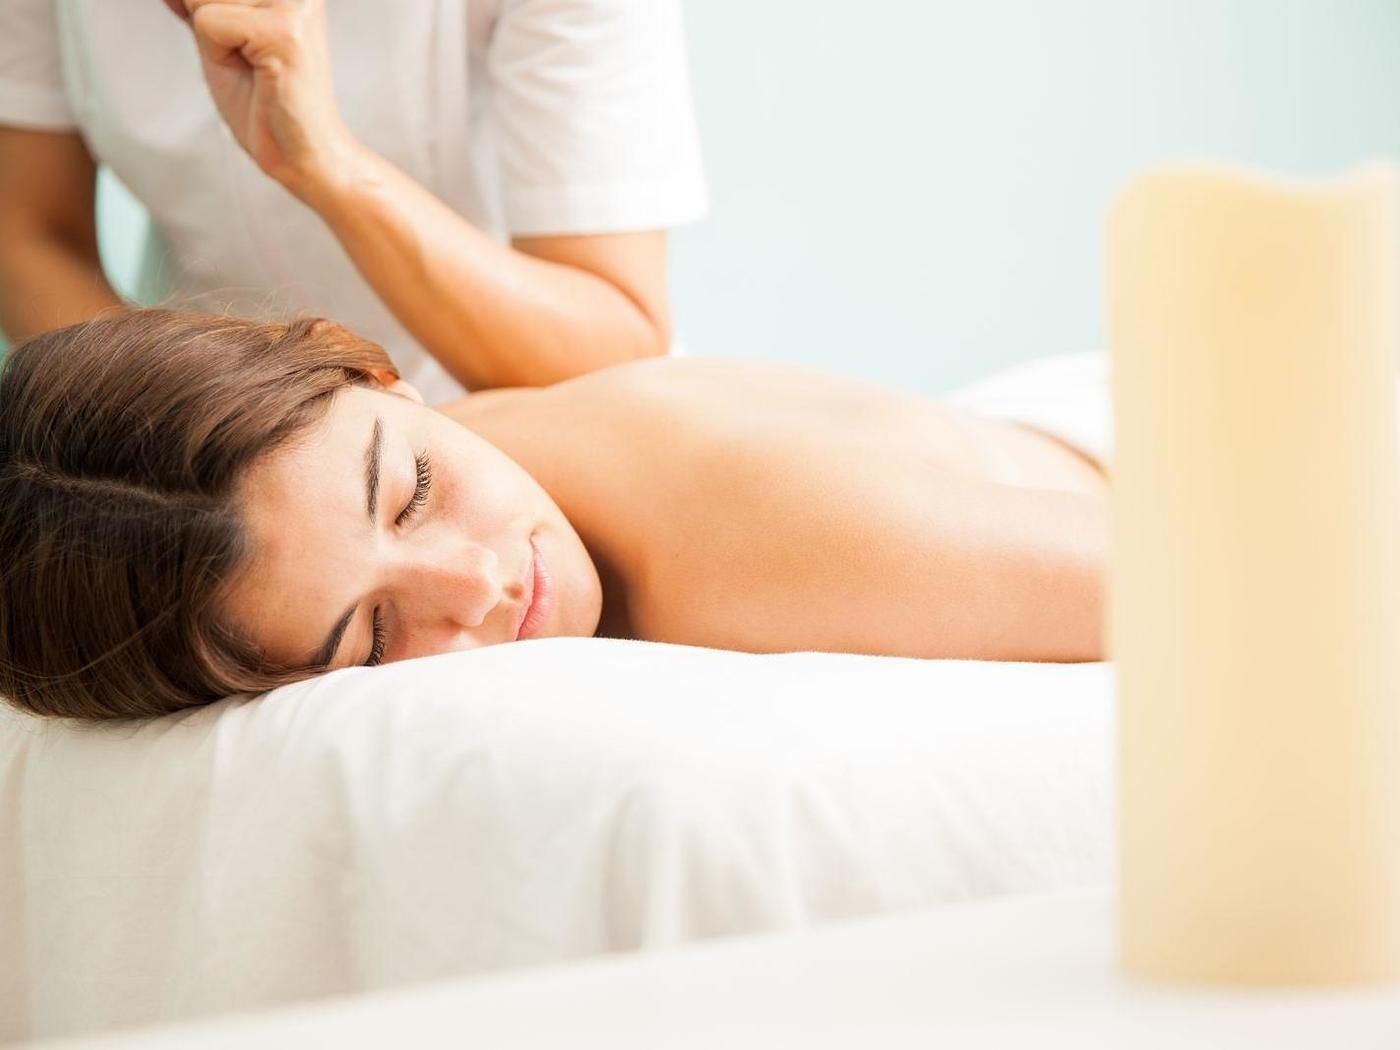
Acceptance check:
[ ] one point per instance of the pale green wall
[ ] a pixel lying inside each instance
(913, 190)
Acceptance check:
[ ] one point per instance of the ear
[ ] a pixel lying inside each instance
(394, 385)
(405, 389)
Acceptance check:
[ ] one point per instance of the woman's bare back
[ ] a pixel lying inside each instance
(766, 507)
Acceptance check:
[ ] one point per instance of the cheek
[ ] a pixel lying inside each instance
(587, 609)
(489, 495)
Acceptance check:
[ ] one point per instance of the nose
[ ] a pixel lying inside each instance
(446, 597)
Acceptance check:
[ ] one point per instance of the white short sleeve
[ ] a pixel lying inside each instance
(31, 71)
(590, 105)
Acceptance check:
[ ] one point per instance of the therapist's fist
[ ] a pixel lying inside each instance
(268, 66)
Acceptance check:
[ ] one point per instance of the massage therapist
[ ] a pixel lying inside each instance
(482, 186)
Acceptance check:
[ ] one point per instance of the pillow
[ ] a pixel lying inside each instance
(519, 805)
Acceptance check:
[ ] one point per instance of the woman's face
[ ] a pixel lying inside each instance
(388, 531)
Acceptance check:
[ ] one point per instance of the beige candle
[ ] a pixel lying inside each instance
(1254, 578)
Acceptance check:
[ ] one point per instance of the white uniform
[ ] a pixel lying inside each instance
(525, 116)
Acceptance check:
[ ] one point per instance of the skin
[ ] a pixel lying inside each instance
(50, 274)
(536, 311)
(739, 506)
(452, 574)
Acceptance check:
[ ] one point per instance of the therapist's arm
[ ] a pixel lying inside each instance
(50, 274)
(535, 312)
(543, 310)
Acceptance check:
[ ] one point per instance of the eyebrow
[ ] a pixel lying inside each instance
(373, 453)
(322, 657)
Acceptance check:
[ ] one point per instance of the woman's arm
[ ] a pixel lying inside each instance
(50, 274)
(542, 310)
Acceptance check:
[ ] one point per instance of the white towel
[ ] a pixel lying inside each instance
(1067, 396)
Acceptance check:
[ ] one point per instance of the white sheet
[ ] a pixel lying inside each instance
(1066, 395)
(520, 805)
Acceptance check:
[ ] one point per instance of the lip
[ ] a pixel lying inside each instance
(540, 602)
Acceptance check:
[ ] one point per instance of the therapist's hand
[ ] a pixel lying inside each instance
(268, 66)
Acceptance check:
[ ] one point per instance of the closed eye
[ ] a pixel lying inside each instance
(424, 482)
(377, 642)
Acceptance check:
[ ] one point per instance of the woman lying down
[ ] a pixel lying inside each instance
(193, 506)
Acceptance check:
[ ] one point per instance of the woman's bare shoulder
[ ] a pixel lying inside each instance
(631, 401)
(585, 435)
(484, 404)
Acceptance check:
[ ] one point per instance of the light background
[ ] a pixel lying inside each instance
(914, 190)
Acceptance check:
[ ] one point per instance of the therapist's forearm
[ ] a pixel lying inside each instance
(47, 282)
(493, 316)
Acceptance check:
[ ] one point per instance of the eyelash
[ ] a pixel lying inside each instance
(376, 647)
(420, 490)
(424, 482)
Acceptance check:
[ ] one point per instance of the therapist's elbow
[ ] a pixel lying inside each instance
(634, 334)
(567, 354)
(632, 322)
(654, 337)
(640, 339)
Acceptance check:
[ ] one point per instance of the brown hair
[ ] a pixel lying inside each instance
(121, 440)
